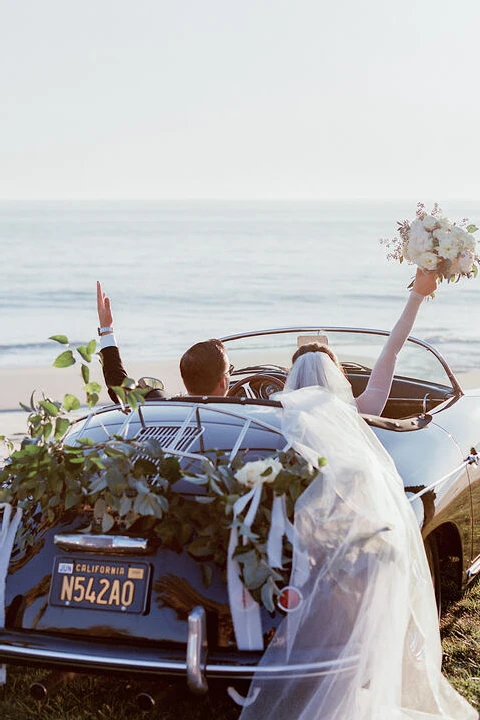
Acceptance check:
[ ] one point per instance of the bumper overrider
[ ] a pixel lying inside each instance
(195, 664)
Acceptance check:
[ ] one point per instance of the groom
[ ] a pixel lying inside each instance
(205, 367)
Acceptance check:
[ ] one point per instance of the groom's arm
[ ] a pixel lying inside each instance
(113, 371)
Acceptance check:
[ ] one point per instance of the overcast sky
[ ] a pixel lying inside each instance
(245, 98)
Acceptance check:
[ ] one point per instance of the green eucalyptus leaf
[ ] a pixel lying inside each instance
(129, 383)
(72, 498)
(267, 596)
(93, 387)
(107, 522)
(97, 484)
(100, 508)
(255, 574)
(201, 547)
(170, 469)
(85, 373)
(98, 462)
(64, 360)
(92, 399)
(119, 392)
(144, 467)
(70, 402)
(49, 407)
(62, 339)
(148, 504)
(471, 228)
(61, 427)
(125, 506)
(132, 400)
(91, 347)
(83, 352)
(115, 480)
(47, 430)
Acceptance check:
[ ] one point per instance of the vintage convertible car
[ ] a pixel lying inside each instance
(109, 602)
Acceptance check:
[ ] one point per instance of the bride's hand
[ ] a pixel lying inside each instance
(425, 282)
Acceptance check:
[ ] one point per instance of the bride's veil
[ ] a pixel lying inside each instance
(317, 368)
(368, 611)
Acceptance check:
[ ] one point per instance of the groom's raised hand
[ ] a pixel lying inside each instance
(105, 317)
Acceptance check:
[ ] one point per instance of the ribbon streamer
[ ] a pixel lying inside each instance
(7, 537)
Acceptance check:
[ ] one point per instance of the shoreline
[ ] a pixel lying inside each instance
(17, 385)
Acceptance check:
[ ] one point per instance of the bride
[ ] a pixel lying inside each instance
(361, 569)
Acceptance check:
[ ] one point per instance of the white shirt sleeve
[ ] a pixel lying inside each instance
(107, 341)
(372, 400)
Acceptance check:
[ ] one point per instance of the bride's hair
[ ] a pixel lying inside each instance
(317, 347)
(315, 364)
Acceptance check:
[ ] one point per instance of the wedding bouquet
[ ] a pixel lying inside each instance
(433, 242)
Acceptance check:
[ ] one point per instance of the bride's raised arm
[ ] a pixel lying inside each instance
(373, 399)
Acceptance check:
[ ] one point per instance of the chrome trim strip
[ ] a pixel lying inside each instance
(239, 440)
(197, 650)
(105, 544)
(361, 331)
(211, 670)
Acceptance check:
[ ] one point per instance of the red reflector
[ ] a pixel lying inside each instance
(289, 599)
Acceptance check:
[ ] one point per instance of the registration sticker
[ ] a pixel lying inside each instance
(100, 584)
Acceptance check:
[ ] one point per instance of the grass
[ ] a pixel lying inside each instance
(460, 631)
(90, 698)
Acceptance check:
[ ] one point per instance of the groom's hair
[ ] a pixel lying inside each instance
(202, 366)
(317, 347)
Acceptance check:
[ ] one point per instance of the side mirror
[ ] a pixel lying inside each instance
(151, 383)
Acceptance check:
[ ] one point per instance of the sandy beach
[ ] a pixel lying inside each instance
(17, 385)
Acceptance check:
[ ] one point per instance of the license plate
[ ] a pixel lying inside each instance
(99, 584)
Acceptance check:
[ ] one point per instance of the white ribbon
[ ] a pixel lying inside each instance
(245, 610)
(7, 537)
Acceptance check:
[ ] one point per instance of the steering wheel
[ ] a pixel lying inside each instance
(259, 386)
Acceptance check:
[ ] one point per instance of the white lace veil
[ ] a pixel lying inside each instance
(368, 605)
(317, 368)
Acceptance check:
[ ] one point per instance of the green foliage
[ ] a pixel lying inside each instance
(126, 485)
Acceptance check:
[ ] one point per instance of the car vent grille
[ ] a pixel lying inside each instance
(172, 437)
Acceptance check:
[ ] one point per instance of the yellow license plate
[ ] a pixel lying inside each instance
(100, 584)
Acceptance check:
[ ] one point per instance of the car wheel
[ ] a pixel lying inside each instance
(433, 559)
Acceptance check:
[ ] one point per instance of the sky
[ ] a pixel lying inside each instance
(261, 99)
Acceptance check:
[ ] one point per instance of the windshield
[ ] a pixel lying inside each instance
(416, 360)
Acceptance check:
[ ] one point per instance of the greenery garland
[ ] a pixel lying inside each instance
(127, 486)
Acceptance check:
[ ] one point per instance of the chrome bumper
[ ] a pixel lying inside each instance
(33, 648)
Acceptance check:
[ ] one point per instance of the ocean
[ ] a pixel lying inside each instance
(179, 272)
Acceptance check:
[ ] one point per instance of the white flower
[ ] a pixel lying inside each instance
(441, 234)
(427, 260)
(464, 239)
(418, 234)
(251, 474)
(444, 223)
(412, 250)
(429, 222)
(448, 246)
(469, 242)
(465, 261)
